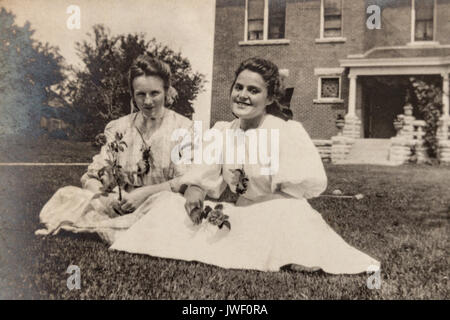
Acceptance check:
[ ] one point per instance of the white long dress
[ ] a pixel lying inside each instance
(272, 224)
(76, 209)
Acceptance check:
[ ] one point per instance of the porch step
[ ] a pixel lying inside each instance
(369, 151)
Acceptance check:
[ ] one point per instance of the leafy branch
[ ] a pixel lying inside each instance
(113, 168)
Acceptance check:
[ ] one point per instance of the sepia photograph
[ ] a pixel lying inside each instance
(238, 150)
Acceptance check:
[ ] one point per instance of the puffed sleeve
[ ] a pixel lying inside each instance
(301, 173)
(184, 149)
(207, 173)
(98, 161)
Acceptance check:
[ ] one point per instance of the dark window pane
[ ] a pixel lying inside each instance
(332, 18)
(255, 29)
(255, 9)
(424, 9)
(424, 31)
(255, 19)
(424, 20)
(334, 23)
(332, 7)
(277, 18)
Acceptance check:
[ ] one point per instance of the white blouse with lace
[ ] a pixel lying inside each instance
(299, 173)
(160, 142)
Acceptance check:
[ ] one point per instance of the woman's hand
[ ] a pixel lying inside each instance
(93, 185)
(194, 196)
(111, 202)
(132, 200)
(108, 182)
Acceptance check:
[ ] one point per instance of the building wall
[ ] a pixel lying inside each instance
(302, 55)
(443, 21)
(396, 24)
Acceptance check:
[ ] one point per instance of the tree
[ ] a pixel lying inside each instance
(100, 90)
(29, 69)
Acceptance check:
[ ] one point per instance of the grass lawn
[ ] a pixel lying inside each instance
(402, 221)
(41, 149)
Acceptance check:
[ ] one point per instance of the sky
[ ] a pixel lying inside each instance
(183, 25)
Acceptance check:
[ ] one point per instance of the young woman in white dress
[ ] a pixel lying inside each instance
(272, 224)
(145, 160)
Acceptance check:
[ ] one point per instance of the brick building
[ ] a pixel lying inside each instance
(334, 62)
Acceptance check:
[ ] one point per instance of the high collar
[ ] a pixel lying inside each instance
(159, 116)
(259, 125)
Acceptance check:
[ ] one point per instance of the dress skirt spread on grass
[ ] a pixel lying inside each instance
(80, 210)
(272, 224)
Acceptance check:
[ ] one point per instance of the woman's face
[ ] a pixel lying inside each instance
(249, 96)
(149, 94)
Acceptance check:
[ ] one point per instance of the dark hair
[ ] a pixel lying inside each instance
(288, 113)
(145, 65)
(269, 72)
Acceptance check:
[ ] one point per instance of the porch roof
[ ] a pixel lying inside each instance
(404, 60)
(407, 52)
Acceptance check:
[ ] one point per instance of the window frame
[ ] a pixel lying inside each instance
(413, 25)
(265, 39)
(322, 38)
(328, 73)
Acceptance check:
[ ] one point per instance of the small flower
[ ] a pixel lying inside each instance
(100, 139)
(114, 147)
(142, 167)
(242, 184)
(216, 217)
(147, 157)
(206, 212)
(119, 136)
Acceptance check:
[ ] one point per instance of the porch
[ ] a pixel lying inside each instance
(378, 87)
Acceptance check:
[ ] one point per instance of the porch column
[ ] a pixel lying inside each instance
(352, 98)
(352, 125)
(445, 96)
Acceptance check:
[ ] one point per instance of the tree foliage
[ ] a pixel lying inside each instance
(29, 69)
(100, 90)
(428, 93)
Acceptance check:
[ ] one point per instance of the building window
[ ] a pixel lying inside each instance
(423, 16)
(329, 88)
(255, 20)
(329, 85)
(265, 19)
(331, 18)
(277, 18)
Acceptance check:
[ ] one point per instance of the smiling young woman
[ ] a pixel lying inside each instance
(250, 98)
